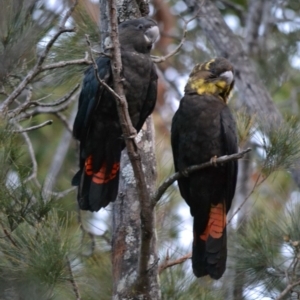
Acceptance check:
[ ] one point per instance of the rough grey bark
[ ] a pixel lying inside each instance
(126, 238)
(104, 22)
(134, 256)
(127, 9)
(253, 22)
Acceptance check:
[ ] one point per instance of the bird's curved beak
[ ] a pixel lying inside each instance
(151, 34)
(227, 76)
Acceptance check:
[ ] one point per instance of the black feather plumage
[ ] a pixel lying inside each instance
(97, 125)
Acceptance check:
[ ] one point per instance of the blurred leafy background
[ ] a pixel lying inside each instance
(47, 245)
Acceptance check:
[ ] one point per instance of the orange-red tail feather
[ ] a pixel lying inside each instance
(209, 248)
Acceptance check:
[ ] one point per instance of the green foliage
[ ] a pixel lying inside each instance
(268, 250)
(281, 144)
(245, 126)
(20, 32)
(179, 283)
(38, 241)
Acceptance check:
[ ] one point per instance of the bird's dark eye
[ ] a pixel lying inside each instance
(140, 27)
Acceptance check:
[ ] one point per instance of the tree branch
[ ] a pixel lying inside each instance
(168, 263)
(142, 284)
(47, 109)
(253, 23)
(8, 235)
(38, 66)
(170, 180)
(95, 66)
(159, 59)
(62, 64)
(288, 289)
(33, 175)
(59, 101)
(72, 280)
(49, 122)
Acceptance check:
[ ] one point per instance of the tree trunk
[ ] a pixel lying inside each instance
(135, 268)
(126, 239)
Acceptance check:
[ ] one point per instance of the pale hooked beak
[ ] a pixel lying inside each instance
(151, 34)
(228, 76)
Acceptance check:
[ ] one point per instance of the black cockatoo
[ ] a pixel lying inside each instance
(97, 125)
(203, 128)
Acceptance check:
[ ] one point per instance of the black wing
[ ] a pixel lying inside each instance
(90, 95)
(229, 137)
(149, 104)
(89, 98)
(183, 182)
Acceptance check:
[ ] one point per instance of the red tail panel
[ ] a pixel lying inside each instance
(216, 222)
(88, 166)
(101, 177)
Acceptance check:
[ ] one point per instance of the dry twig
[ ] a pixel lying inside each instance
(38, 68)
(168, 263)
(287, 290)
(48, 122)
(159, 59)
(47, 109)
(72, 280)
(170, 180)
(95, 66)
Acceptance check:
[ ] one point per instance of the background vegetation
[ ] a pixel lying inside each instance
(49, 250)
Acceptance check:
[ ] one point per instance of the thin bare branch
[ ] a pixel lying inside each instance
(46, 110)
(64, 120)
(32, 73)
(72, 280)
(159, 59)
(67, 15)
(62, 64)
(168, 263)
(101, 53)
(38, 66)
(8, 235)
(59, 101)
(95, 66)
(170, 180)
(59, 195)
(46, 123)
(33, 175)
(288, 289)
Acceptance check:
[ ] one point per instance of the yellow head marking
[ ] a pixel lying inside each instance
(203, 87)
(214, 77)
(221, 84)
(207, 65)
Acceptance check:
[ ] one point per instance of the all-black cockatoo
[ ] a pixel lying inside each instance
(203, 128)
(97, 125)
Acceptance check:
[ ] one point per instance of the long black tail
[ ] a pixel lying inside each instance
(210, 246)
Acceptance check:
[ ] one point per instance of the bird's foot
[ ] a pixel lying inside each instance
(213, 160)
